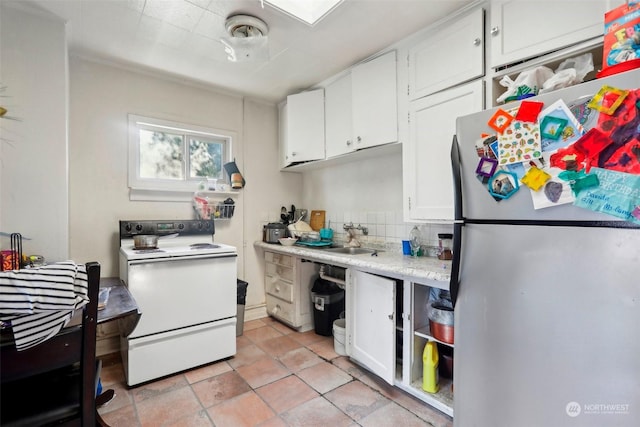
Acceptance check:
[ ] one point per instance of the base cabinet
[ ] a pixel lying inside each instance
(371, 325)
(417, 335)
(288, 281)
(387, 329)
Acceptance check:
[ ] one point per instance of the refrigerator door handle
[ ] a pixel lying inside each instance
(454, 283)
(457, 179)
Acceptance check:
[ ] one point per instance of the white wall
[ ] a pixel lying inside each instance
(33, 151)
(369, 193)
(267, 190)
(101, 97)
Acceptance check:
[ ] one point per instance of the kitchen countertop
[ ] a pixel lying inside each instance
(387, 263)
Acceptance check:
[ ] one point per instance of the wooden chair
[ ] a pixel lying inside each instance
(54, 383)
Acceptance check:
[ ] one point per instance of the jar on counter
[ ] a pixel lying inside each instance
(445, 245)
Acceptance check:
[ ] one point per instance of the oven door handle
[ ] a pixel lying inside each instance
(180, 258)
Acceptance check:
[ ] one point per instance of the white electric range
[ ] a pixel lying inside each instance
(186, 289)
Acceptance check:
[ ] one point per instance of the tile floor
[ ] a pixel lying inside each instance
(279, 377)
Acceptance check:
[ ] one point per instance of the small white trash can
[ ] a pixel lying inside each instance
(339, 337)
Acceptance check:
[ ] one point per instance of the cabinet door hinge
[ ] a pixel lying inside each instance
(409, 203)
(408, 117)
(408, 90)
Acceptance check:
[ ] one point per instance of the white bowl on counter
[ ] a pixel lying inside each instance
(287, 241)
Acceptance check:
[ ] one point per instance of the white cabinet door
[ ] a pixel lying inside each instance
(371, 322)
(337, 102)
(448, 56)
(521, 29)
(305, 126)
(375, 104)
(427, 179)
(282, 131)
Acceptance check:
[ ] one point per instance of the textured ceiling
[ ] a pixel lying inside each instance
(182, 38)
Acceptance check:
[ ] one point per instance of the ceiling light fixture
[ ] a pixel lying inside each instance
(246, 26)
(247, 39)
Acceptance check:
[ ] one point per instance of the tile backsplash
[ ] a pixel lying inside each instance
(386, 229)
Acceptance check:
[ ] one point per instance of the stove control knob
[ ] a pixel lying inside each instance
(199, 226)
(180, 226)
(127, 227)
(139, 227)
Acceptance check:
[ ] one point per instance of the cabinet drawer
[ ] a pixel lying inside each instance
(281, 310)
(278, 288)
(279, 271)
(281, 259)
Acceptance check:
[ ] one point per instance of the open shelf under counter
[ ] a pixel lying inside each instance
(442, 400)
(425, 332)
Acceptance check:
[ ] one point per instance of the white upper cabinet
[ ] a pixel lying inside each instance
(521, 29)
(282, 130)
(361, 107)
(427, 176)
(374, 101)
(338, 123)
(453, 53)
(304, 127)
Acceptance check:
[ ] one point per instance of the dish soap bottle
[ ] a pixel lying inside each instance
(430, 361)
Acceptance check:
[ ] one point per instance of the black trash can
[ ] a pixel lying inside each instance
(242, 299)
(328, 303)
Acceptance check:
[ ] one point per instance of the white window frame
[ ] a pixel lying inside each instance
(162, 189)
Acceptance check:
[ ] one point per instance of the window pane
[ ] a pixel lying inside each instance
(205, 159)
(161, 155)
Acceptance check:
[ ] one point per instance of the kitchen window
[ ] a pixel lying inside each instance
(170, 157)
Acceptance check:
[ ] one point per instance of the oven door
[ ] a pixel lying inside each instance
(174, 293)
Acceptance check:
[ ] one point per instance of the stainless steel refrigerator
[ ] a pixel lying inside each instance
(547, 301)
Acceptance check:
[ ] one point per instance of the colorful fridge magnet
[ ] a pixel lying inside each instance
(571, 132)
(487, 166)
(591, 144)
(608, 99)
(579, 180)
(500, 120)
(621, 124)
(567, 159)
(484, 146)
(535, 178)
(528, 111)
(588, 181)
(552, 127)
(503, 184)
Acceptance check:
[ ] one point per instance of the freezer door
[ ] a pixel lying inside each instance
(478, 203)
(546, 327)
